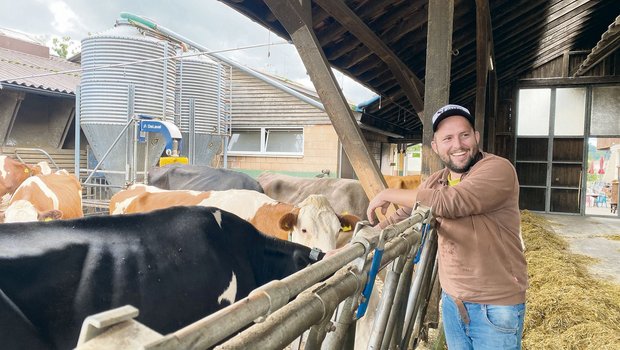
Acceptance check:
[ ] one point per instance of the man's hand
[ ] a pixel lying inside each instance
(377, 202)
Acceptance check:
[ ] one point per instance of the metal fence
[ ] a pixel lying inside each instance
(405, 251)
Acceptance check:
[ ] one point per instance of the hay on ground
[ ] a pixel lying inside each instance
(567, 308)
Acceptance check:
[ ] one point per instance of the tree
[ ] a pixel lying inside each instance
(61, 46)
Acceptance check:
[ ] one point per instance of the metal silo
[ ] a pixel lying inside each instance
(114, 85)
(202, 106)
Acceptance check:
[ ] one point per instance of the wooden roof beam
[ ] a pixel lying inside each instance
(409, 82)
(295, 16)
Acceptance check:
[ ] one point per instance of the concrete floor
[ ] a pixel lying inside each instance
(586, 235)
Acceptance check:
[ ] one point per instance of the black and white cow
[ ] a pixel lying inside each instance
(200, 178)
(175, 265)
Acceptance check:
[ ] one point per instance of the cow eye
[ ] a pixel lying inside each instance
(303, 230)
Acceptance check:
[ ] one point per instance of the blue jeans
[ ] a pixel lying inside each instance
(491, 327)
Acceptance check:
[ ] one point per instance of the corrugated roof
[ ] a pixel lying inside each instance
(15, 64)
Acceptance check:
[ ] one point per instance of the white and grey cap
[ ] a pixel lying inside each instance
(449, 111)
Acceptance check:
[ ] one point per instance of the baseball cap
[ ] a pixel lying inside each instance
(449, 111)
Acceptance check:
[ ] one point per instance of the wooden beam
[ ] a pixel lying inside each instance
(438, 62)
(483, 17)
(407, 80)
(289, 14)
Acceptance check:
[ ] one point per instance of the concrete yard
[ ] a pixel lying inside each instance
(587, 235)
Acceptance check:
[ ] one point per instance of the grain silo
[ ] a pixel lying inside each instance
(124, 73)
(202, 105)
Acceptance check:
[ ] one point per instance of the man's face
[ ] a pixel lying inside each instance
(456, 143)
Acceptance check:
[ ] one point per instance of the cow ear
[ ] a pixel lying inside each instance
(50, 215)
(287, 221)
(348, 221)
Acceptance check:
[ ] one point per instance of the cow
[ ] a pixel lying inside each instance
(175, 265)
(200, 178)
(45, 197)
(344, 195)
(312, 222)
(408, 182)
(12, 174)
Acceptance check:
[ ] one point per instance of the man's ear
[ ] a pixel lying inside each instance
(434, 146)
(477, 134)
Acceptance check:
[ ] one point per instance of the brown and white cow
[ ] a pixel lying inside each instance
(312, 222)
(44, 197)
(12, 174)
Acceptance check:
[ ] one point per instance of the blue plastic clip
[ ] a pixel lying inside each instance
(372, 274)
(425, 228)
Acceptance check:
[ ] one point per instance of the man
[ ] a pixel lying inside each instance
(482, 268)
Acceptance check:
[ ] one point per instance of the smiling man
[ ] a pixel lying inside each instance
(482, 267)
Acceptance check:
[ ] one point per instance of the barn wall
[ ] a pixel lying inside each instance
(550, 178)
(64, 158)
(320, 153)
(256, 103)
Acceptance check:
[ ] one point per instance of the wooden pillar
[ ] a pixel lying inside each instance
(482, 63)
(438, 64)
(297, 21)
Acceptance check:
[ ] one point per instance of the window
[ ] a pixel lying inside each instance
(245, 141)
(534, 110)
(267, 141)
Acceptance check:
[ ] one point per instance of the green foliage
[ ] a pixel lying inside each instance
(61, 46)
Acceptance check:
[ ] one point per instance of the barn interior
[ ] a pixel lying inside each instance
(541, 78)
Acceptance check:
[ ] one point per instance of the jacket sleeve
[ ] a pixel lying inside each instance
(489, 185)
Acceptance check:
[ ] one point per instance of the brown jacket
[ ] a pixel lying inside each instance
(480, 251)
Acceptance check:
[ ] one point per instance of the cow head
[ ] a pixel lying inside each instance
(315, 224)
(12, 174)
(24, 211)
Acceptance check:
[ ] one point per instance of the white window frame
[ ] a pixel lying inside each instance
(263, 142)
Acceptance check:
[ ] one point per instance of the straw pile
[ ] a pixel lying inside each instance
(566, 307)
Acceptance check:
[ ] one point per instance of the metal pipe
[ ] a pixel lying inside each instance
(388, 296)
(222, 58)
(308, 308)
(214, 328)
(413, 301)
(109, 150)
(165, 82)
(192, 131)
(428, 289)
(398, 307)
(78, 98)
(287, 323)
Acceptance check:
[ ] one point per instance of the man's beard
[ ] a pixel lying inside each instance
(460, 169)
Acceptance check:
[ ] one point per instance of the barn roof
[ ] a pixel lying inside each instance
(14, 64)
(525, 34)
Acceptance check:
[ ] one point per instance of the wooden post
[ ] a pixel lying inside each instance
(438, 63)
(296, 19)
(482, 63)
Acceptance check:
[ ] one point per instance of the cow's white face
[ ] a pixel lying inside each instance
(21, 211)
(316, 228)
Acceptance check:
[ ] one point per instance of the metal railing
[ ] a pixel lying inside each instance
(272, 322)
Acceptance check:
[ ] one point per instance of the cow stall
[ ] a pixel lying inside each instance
(274, 315)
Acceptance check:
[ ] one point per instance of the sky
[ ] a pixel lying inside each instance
(207, 22)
